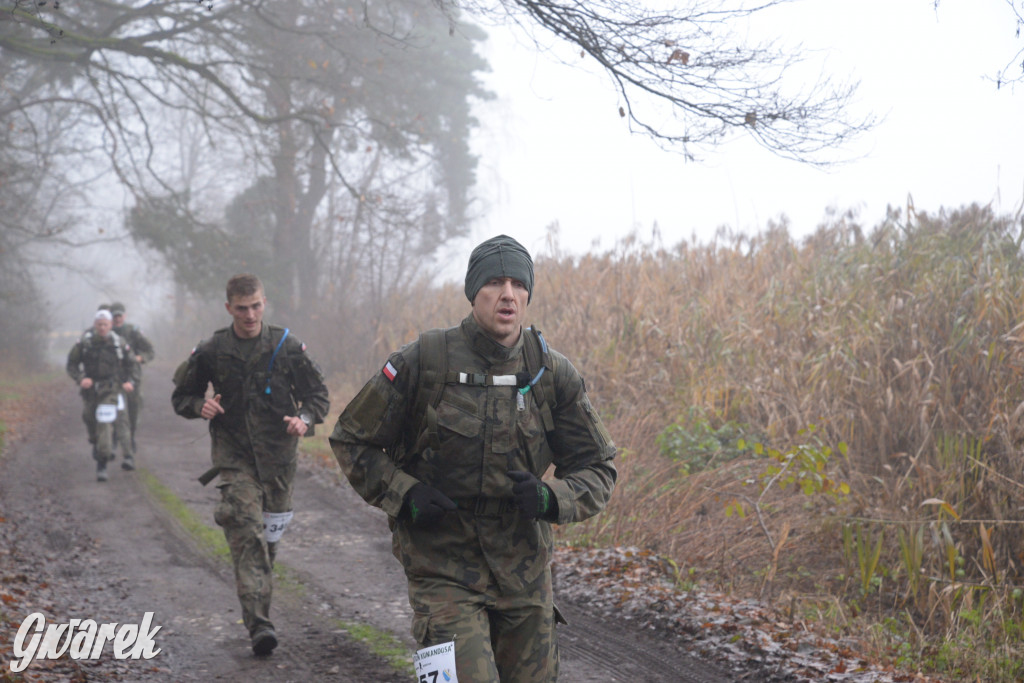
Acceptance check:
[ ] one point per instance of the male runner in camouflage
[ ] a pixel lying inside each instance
(267, 393)
(451, 439)
(143, 351)
(103, 366)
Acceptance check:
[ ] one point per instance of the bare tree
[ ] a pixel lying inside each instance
(343, 124)
(45, 176)
(292, 92)
(690, 76)
(1013, 71)
(686, 76)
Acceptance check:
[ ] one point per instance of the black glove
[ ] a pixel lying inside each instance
(426, 505)
(532, 496)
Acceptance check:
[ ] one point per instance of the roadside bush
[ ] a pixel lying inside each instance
(696, 444)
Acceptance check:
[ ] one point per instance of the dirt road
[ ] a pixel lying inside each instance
(111, 552)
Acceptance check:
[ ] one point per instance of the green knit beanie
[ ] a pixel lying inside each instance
(499, 256)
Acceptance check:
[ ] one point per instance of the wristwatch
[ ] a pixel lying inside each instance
(305, 419)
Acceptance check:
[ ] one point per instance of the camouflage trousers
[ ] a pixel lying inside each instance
(240, 513)
(507, 638)
(105, 436)
(134, 401)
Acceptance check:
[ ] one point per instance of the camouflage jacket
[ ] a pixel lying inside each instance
(141, 346)
(107, 361)
(256, 396)
(482, 434)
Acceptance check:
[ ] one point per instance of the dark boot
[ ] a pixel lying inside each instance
(101, 471)
(264, 641)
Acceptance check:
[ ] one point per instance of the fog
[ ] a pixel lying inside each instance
(351, 155)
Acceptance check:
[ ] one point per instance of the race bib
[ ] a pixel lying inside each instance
(436, 664)
(106, 412)
(274, 524)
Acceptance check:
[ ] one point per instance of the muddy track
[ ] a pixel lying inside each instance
(111, 552)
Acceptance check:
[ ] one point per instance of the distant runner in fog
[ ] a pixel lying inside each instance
(451, 439)
(144, 353)
(103, 366)
(267, 393)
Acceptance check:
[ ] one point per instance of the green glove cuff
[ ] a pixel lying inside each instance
(414, 512)
(543, 499)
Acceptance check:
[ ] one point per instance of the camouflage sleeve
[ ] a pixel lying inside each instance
(367, 438)
(190, 385)
(309, 388)
(74, 364)
(179, 372)
(142, 346)
(131, 371)
(583, 451)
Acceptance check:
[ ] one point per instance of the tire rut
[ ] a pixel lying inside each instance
(614, 651)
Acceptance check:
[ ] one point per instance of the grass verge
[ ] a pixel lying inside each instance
(380, 643)
(209, 540)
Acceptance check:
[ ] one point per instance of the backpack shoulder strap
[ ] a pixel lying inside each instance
(433, 370)
(542, 377)
(118, 344)
(273, 356)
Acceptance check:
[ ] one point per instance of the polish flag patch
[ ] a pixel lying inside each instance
(390, 372)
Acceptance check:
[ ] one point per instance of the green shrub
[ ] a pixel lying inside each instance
(694, 443)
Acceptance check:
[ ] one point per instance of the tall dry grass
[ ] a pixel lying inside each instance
(904, 344)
